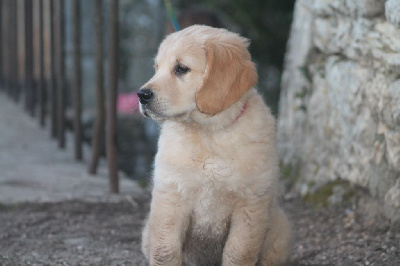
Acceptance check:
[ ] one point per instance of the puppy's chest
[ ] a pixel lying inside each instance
(212, 190)
(194, 164)
(211, 212)
(212, 161)
(213, 168)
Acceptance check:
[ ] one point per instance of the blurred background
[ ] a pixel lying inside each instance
(35, 70)
(75, 67)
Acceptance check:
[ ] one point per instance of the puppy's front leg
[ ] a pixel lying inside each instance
(247, 233)
(168, 222)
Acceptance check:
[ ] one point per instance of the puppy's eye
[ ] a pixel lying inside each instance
(181, 70)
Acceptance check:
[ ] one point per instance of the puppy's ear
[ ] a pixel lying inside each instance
(229, 73)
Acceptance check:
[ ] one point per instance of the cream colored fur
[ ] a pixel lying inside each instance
(216, 188)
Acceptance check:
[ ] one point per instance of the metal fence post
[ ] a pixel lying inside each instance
(112, 97)
(77, 78)
(98, 128)
(51, 70)
(40, 89)
(7, 69)
(29, 87)
(1, 45)
(60, 68)
(13, 51)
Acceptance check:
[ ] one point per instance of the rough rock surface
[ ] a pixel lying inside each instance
(340, 101)
(392, 11)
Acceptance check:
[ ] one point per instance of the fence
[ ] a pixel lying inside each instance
(32, 70)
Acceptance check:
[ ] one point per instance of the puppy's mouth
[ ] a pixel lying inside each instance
(146, 111)
(157, 109)
(145, 114)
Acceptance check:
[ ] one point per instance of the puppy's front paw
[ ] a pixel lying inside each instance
(163, 255)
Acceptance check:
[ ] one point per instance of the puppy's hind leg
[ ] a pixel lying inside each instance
(276, 247)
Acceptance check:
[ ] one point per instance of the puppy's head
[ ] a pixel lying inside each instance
(198, 69)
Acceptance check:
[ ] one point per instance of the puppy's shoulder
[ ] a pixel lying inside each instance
(259, 116)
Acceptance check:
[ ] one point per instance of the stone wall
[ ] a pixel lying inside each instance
(340, 100)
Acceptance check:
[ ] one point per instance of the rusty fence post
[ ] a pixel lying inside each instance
(13, 51)
(29, 87)
(7, 70)
(20, 48)
(77, 78)
(60, 68)
(51, 69)
(1, 45)
(11, 48)
(4, 45)
(42, 85)
(48, 64)
(112, 97)
(38, 60)
(98, 128)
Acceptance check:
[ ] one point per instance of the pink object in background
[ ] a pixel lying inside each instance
(127, 103)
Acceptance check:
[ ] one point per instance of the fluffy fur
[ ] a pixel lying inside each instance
(215, 191)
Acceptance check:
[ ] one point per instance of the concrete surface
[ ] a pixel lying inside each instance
(33, 168)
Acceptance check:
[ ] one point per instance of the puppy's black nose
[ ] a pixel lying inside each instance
(145, 95)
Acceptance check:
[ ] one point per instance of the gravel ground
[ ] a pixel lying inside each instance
(85, 231)
(82, 233)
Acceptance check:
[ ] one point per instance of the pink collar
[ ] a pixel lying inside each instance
(241, 113)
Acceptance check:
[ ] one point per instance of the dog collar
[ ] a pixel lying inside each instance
(241, 112)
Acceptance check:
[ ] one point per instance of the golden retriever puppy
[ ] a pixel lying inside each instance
(215, 186)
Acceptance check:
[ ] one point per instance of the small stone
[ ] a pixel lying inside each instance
(35, 254)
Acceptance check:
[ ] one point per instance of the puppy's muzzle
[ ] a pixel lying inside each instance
(145, 95)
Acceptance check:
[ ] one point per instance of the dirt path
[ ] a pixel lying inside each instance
(79, 233)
